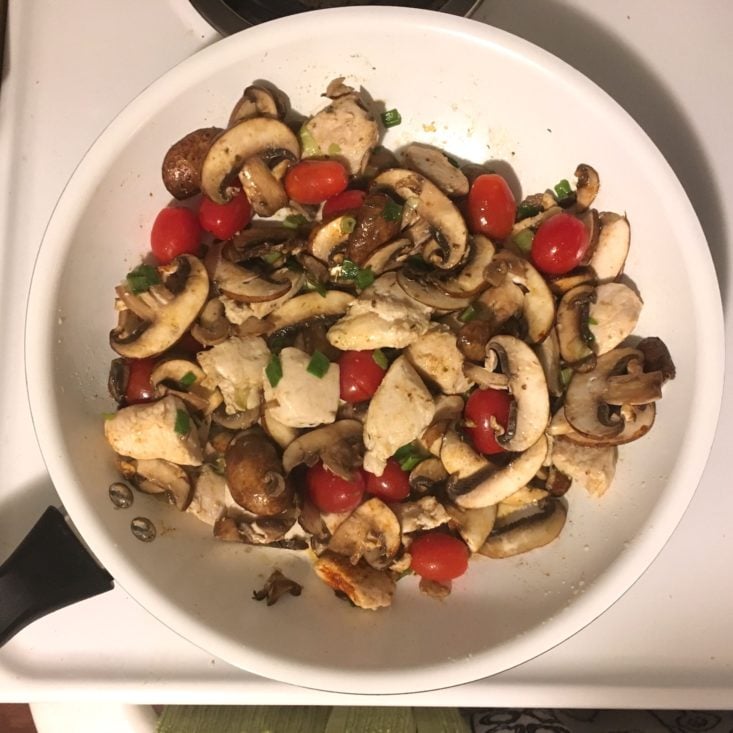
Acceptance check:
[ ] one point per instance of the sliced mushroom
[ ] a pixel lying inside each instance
(612, 247)
(372, 228)
(593, 467)
(530, 411)
(438, 360)
(364, 586)
(436, 208)
(562, 284)
(435, 165)
(575, 339)
(276, 587)
(427, 476)
(474, 525)
(181, 168)
(248, 286)
(264, 191)
(327, 241)
(163, 316)
(528, 533)
(521, 499)
(263, 308)
(303, 308)
(471, 278)
(282, 434)
(255, 475)
(613, 315)
(637, 422)
(490, 485)
(241, 142)
(184, 378)
(417, 516)
(533, 222)
(587, 186)
(429, 294)
(548, 353)
(391, 256)
(212, 326)
(338, 445)
(159, 477)
(371, 532)
(257, 101)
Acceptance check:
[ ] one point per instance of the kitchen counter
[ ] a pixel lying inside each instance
(70, 67)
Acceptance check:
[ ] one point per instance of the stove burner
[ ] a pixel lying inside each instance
(230, 16)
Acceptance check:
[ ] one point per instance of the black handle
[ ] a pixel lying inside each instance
(50, 569)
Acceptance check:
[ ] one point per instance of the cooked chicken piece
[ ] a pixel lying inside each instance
(161, 429)
(382, 316)
(236, 367)
(437, 359)
(303, 399)
(236, 312)
(365, 587)
(591, 466)
(344, 130)
(399, 412)
(208, 500)
(425, 513)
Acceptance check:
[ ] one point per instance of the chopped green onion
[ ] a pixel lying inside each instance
(315, 285)
(274, 370)
(364, 279)
(408, 456)
(563, 189)
(272, 257)
(391, 118)
(318, 365)
(380, 359)
(592, 321)
(293, 221)
(349, 270)
(468, 314)
(392, 211)
(308, 143)
(142, 278)
(183, 422)
(525, 210)
(348, 223)
(565, 376)
(524, 240)
(334, 149)
(187, 380)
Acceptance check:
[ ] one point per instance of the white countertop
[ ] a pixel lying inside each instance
(666, 643)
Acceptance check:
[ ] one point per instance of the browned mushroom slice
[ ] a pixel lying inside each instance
(364, 586)
(587, 186)
(276, 587)
(156, 476)
(303, 308)
(562, 284)
(573, 333)
(391, 256)
(435, 165)
(532, 222)
(329, 239)
(427, 476)
(255, 475)
(372, 228)
(612, 247)
(527, 533)
(258, 101)
(548, 353)
(184, 378)
(242, 284)
(474, 525)
(182, 163)
(430, 294)
(212, 326)
(471, 278)
(436, 208)
(520, 500)
(264, 191)
(241, 142)
(656, 356)
(637, 422)
(593, 467)
(152, 321)
(371, 532)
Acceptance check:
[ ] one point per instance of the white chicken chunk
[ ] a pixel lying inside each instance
(399, 412)
(236, 368)
(301, 399)
(425, 513)
(366, 587)
(593, 467)
(208, 501)
(161, 429)
(437, 358)
(384, 315)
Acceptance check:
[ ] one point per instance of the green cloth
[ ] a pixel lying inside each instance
(302, 719)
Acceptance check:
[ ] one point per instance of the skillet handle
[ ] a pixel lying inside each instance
(50, 569)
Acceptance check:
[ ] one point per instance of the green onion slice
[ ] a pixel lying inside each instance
(380, 359)
(566, 375)
(308, 144)
(183, 422)
(468, 314)
(391, 118)
(392, 211)
(187, 380)
(272, 257)
(408, 456)
(293, 221)
(274, 370)
(313, 284)
(349, 270)
(525, 210)
(334, 149)
(348, 224)
(142, 278)
(524, 240)
(318, 365)
(364, 279)
(563, 189)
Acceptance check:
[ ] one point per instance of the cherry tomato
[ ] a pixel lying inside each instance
(139, 387)
(348, 200)
(438, 556)
(491, 206)
(313, 181)
(392, 485)
(359, 375)
(560, 244)
(225, 220)
(175, 231)
(483, 407)
(330, 493)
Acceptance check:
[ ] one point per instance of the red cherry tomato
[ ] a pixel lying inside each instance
(359, 375)
(175, 231)
(330, 493)
(560, 244)
(438, 556)
(139, 387)
(392, 485)
(225, 220)
(313, 181)
(491, 206)
(348, 200)
(483, 407)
